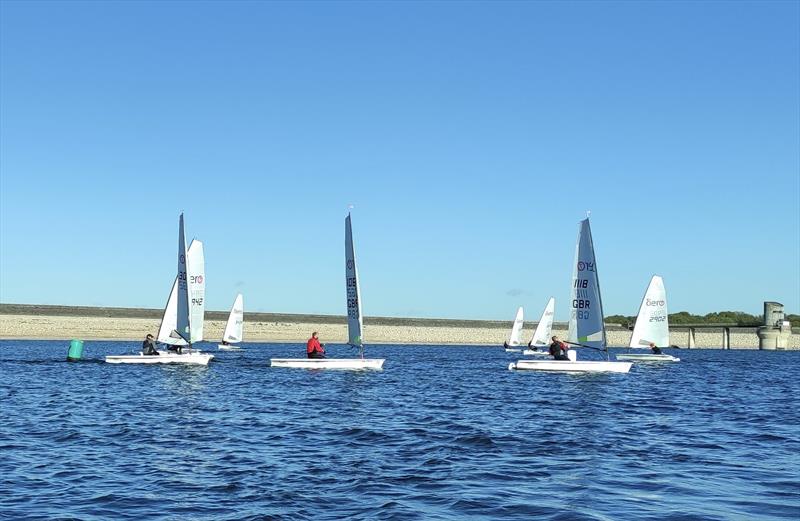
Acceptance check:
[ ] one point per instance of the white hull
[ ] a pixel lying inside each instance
(649, 358)
(228, 347)
(328, 363)
(531, 352)
(195, 357)
(513, 350)
(589, 366)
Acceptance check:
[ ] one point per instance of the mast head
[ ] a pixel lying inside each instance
(588, 213)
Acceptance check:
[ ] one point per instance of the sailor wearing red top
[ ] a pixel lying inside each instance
(558, 349)
(313, 348)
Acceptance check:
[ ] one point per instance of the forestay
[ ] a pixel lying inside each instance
(652, 322)
(541, 336)
(354, 320)
(197, 291)
(516, 329)
(235, 327)
(586, 315)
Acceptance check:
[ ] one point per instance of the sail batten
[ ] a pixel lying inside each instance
(354, 318)
(586, 314)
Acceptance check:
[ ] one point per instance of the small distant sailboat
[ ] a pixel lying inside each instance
(234, 328)
(652, 325)
(516, 333)
(354, 321)
(182, 322)
(586, 326)
(541, 336)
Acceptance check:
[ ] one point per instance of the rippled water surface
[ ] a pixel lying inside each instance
(440, 433)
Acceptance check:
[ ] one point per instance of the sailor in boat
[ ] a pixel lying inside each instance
(655, 349)
(149, 346)
(225, 343)
(532, 347)
(176, 349)
(558, 349)
(505, 345)
(313, 348)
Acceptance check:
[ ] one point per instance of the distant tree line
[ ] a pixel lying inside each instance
(722, 317)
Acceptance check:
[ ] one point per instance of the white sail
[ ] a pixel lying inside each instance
(235, 327)
(197, 291)
(516, 329)
(182, 309)
(541, 336)
(169, 321)
(652, 323)
(586, 316)
(354, 320)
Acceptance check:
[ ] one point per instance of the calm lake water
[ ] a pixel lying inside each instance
(440, 433)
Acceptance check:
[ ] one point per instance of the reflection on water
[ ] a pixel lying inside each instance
(184, 381)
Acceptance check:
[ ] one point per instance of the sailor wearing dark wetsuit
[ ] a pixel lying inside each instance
(655, 349)
(314, 348)
(149, 346)
(558, 349)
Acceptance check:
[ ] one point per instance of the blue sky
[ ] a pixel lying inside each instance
(471, 138)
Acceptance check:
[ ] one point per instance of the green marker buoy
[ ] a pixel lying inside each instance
(75, 351)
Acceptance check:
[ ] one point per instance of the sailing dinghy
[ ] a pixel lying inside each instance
(234, 328)
(169, 323)
(652, 325)
(354, 321)
(182, 322)
(541, 336)
(586, 326)
(516, 333)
